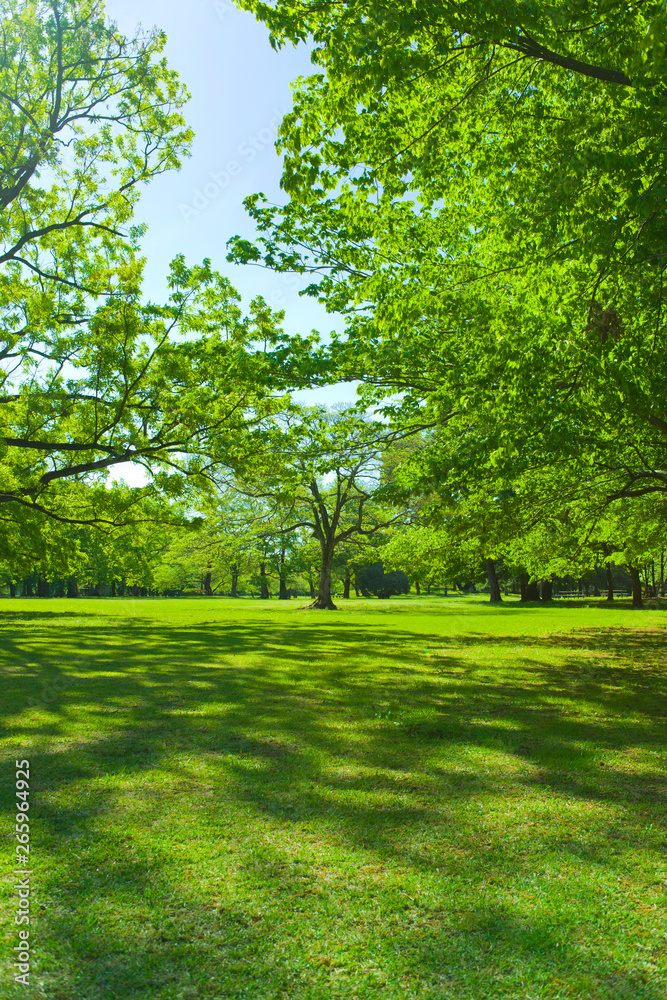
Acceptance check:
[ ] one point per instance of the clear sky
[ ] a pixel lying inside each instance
(240, 90)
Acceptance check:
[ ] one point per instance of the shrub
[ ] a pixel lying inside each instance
(374, 581)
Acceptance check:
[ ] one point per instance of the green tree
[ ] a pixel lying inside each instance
(478, 188)
(320, 471)
(94, 375)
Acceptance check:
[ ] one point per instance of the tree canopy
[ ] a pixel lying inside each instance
(478, 188)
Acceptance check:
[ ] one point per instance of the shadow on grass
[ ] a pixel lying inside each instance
(359, 738)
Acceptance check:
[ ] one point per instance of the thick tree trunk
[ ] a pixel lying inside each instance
(72, 587)
(610, 583)
(235, 581)
(355, 583)
(282, 590)
(43, 587)
(494, 589)
(264, 586)
(121, 588)
(417, 588)
(346, 585)
(12, 589)
(323, 600)
(530, 589)
(637, 601)
(207, 583)
(547, 590)
(113, 588)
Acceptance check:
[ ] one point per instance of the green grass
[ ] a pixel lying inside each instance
(433, 799)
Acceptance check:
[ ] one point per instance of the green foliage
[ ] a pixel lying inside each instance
(94, 375)
(374, 581)
(321, 472)
(479, 190)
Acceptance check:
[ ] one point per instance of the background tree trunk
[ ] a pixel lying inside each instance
(323, 600)
(637, 601)
(207, 583)
(72, 587)
(494, 589)
(547, 590)
(530, 590)
(235, 581)
(610, 583)
(264, 592)
(346, 584)
(282, 590)
(12, 589)
(417, 588)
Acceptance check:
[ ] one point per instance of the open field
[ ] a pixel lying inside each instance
(399, 800)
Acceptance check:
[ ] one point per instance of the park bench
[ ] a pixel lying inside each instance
(578, 593)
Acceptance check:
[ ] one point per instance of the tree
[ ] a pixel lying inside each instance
(86, 117)
(373, 580)
(93, 375)
(320, 470)
(169, 387)
(517, 90)
(495, 264)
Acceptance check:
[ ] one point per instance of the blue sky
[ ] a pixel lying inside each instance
(240, 90)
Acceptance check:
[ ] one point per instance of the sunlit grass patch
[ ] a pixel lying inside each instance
(401, 800)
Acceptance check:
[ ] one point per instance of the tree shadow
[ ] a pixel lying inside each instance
(359, 743)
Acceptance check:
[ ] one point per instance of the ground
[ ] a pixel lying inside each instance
(433, 799)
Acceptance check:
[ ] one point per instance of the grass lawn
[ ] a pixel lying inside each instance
(405, 799)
